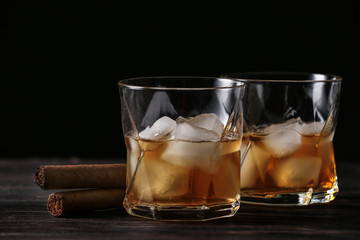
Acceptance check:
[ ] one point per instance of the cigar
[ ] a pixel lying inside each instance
(81, 176)
(64, 203)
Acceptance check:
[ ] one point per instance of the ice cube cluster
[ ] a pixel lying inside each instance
(280, 142)
(203, 127)
(181, 146)
(194, 144)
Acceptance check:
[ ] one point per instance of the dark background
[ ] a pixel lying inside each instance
(62, 62)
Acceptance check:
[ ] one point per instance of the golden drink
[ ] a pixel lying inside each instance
(182, 173)
(290, 160)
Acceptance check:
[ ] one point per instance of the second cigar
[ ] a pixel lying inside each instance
(81, 176)
(68, 202)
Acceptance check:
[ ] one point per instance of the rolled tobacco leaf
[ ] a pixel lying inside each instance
(63, 203)
(81, 176)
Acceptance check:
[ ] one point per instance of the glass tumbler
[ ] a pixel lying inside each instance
(183, 137)
(289, 125)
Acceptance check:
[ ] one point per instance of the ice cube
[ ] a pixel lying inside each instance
(254, 165)
(161, 128)
(208, 121)
(283, 142)
(156, 178)
(292, 123)
(185, 131)
(297, 172)
(199, 155)
(310, 129)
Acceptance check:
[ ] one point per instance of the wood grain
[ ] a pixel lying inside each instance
(23, 213)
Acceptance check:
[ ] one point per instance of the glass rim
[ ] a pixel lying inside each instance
(122, 83)
(251, 77)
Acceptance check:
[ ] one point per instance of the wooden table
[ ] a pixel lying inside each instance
(23, 213)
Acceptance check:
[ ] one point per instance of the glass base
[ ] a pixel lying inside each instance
(288, 199)
(183, 213)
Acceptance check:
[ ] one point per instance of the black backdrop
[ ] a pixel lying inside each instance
(59, 93)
